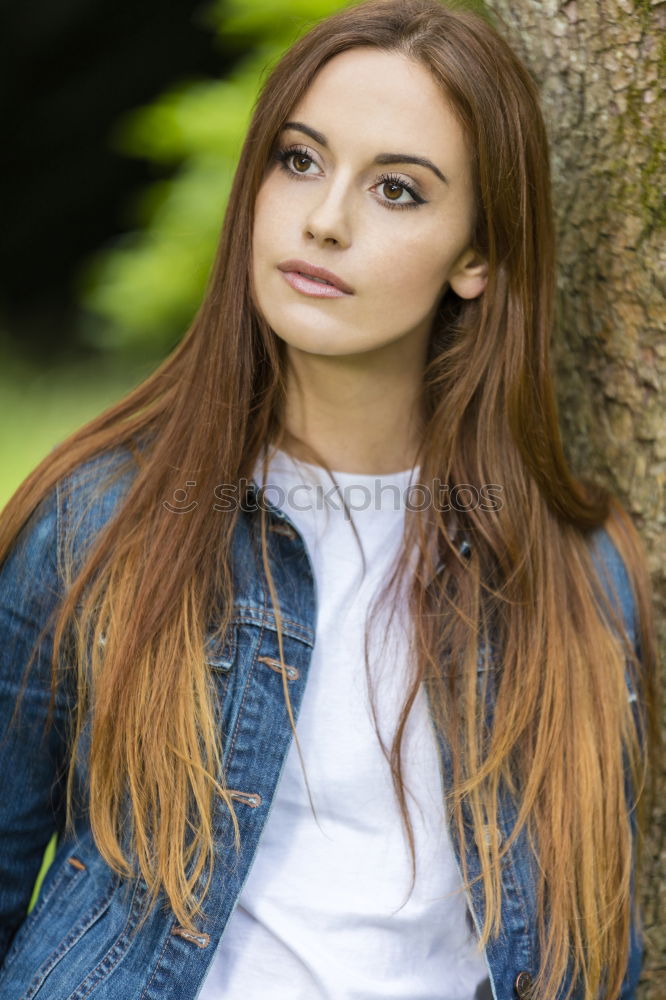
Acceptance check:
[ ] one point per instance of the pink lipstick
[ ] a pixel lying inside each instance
(313, 280)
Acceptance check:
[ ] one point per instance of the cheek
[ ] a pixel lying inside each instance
(266, 221)
(267, 243)
(261, 242)
(412, 271)
(261, 237)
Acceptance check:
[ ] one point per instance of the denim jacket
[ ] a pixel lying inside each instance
(78, 941)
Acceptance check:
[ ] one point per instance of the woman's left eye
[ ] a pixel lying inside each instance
(296, 161)
(390, 182)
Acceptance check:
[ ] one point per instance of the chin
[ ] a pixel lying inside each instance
(311, 344)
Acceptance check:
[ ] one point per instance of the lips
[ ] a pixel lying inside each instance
(313, 271)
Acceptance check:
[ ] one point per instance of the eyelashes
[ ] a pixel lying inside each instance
(283, 154)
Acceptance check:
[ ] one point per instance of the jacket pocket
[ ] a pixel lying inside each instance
(57, 879)
(70, 904)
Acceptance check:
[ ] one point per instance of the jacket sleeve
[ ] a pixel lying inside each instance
(32, 763)
(618, 586)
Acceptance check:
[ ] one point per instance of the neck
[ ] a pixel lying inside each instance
(358, 416)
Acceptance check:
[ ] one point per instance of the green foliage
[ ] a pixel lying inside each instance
(47, 860)
(145, 289)
(270, 19)
(47, 404)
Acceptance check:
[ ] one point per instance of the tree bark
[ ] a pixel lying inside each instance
(598, 64)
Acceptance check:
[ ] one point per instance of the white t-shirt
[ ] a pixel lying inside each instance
(324, 913)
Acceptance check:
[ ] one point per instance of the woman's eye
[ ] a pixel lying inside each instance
(394, 191)
(294, 160)
(301, 162)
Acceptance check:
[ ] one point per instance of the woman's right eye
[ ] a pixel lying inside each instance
(294, 160)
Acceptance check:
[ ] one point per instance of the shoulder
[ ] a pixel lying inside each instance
(88, 497)
(91, 492)
(74, 508)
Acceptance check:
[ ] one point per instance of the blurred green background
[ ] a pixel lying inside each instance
(124, 125)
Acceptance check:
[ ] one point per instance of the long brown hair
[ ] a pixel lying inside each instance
(152, 583)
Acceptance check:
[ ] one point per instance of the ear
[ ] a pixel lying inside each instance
(469, 276)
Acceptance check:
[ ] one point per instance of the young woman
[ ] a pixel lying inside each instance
(471, 663)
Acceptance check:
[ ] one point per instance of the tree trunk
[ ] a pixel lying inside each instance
(597, 64)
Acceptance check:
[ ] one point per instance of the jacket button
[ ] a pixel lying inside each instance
(523, 985)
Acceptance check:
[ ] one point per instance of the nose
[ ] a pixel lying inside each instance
(327, 221)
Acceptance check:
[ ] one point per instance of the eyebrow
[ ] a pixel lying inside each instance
(381, 158)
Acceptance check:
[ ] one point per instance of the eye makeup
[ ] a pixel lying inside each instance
(284, 154)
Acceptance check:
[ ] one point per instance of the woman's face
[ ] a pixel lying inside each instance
(344, 194)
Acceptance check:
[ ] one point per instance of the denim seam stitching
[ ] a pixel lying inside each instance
(250, 674)
(115, 947)
(66, 945)
(167, 938)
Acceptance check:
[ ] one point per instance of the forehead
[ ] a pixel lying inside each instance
(365, 99)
